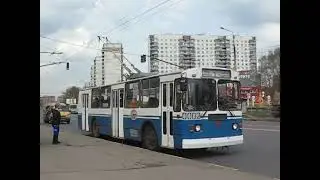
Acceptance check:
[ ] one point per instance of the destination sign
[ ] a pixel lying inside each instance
(216, 73)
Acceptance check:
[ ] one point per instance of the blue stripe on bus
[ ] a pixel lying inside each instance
(105, 123)
(137, 124)
(209, 129)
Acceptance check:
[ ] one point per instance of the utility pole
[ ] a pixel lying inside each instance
(234, 47)
(121, 61)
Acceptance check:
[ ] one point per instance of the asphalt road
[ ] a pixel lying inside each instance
(259, 154)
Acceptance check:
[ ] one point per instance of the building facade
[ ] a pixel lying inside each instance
(61, 99)
(45, 100)
(201, 50)
(106, 68)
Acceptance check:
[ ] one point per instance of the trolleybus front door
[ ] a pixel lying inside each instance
(167, 114)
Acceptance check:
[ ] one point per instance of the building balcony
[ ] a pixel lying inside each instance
(154, 51)
(154, 56)
(182, 45)
(186, 38)
(154, 48)
(154, 43)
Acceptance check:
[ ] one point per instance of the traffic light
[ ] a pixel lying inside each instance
(143, 58)
(67, 66)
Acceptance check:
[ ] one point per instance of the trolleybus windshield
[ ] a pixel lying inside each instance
(200, 95)
(229, 95)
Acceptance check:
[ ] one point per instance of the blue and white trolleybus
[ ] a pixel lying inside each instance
(197, 108)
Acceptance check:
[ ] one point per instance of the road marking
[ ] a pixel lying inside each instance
(267, 130)
(225, 167)
(261, 125)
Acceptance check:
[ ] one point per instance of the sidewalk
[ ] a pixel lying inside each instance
(79, 157)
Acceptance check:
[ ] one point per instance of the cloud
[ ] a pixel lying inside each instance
(60, 14)
(80, 21)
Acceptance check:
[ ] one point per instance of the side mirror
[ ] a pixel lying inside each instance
(183, 84)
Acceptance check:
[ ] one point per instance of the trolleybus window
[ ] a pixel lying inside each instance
(177, 96)
(105, 97)
(96, 95)
(101, 97)
(200, 95)
(132, 98)
(229, 95)
(150, 93)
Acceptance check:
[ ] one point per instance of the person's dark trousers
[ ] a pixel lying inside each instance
(56, 130)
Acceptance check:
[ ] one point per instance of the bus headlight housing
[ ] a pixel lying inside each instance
(234, 126)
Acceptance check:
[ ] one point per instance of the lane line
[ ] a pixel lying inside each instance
(224, 167)
(266, 130)
(261, 125)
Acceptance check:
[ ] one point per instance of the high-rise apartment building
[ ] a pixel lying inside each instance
(201, 50)
(106, 69)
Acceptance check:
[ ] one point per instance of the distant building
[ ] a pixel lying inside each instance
(44, 100)
(106, 69)
(200, 50)
(61, 99)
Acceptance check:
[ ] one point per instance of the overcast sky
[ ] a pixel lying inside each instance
(80, 21)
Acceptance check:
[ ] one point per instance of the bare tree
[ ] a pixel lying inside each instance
(71, 93)
(270, 71)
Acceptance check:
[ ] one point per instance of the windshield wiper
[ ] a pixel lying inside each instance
(204, 113)
(232, 115)
(226, 106)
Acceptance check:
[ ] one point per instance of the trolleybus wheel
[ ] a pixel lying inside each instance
(149, 139)
(95, 129)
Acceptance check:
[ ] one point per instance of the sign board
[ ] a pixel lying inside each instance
(216, 73)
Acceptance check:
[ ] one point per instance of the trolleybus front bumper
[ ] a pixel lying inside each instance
(211, 142)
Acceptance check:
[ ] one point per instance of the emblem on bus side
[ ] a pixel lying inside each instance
(133, 114)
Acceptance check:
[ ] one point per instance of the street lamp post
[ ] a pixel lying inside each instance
(234, 47)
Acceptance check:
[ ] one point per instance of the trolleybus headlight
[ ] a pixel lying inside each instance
(197, 128)
(234, 126)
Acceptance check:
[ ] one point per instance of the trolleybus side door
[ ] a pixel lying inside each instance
(85, 106)
(117, 112)
(167, 114)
